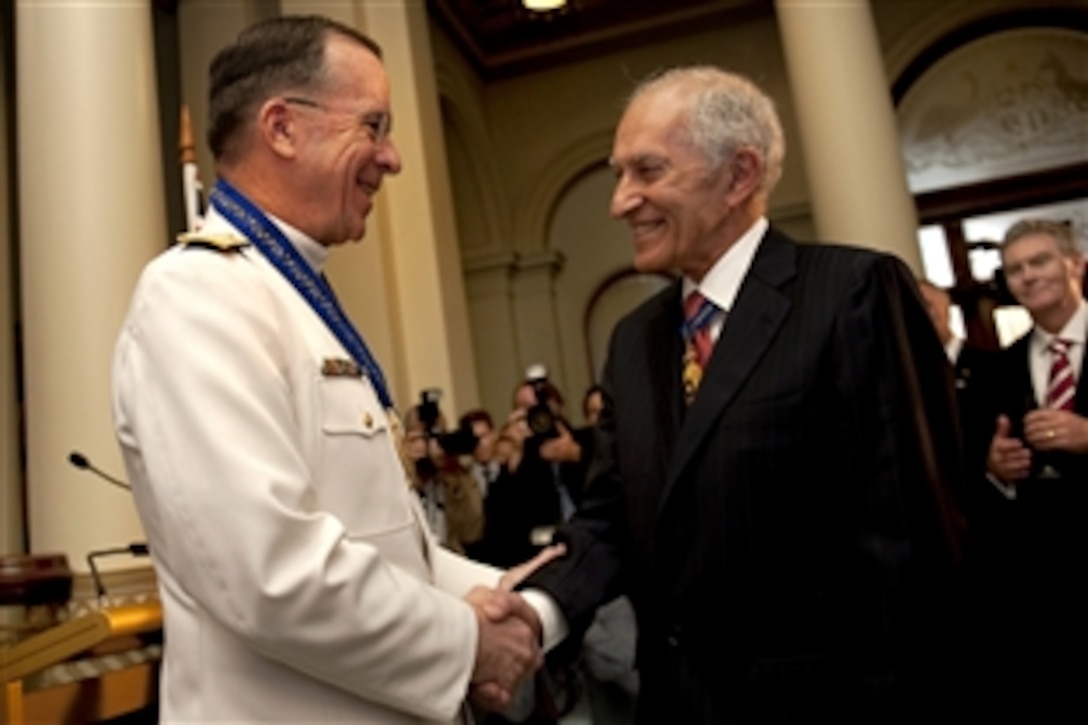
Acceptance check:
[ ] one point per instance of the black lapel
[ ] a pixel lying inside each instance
(664, 350)
(1016, 396)
(758, 313)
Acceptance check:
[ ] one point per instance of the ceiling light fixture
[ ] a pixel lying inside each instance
(542, 6)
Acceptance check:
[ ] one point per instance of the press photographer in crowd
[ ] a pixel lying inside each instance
(527, 502)
(447, 490)
(485, 466)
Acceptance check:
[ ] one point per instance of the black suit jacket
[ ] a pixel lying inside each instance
(526, 501)
(1039, 534)
(1027, 562)
(786, 539)
(975, 370)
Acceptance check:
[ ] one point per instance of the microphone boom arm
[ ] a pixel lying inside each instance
(80, 461)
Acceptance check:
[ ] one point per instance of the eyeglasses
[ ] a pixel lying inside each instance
(376, 124)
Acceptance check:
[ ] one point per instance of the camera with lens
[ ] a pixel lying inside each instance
(460, 442)
(540, 417)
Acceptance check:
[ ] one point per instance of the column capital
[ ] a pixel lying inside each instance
(480, 262)
(549, 260)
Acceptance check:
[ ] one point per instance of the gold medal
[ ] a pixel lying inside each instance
(692, 373)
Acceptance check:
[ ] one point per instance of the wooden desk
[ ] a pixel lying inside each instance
(95, 666)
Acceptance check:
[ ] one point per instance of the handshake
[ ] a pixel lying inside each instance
(508, 651)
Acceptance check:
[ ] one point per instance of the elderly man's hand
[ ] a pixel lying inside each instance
(508, 651)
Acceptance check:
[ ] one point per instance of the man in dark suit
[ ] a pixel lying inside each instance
(786, 537)
(542, 490)
(973, 367)
(1036, 547)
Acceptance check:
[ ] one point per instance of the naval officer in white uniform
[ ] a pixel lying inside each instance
(297, 577)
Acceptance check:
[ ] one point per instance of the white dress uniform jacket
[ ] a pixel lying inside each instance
(297, 579)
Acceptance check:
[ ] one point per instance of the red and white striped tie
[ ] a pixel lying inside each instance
(1060, 389)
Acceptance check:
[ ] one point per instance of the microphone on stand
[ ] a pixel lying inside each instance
(80, 461)
(136, 549)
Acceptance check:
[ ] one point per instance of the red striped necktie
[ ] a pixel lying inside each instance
(1061, 386)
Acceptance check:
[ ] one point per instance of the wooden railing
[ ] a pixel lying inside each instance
(95, 666)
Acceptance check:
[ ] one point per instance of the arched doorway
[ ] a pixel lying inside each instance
(994, 128)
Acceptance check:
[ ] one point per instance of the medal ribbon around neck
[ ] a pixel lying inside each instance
(272, 243)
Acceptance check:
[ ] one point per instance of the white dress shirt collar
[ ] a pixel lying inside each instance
(722, 282)
(1039, 357)
(1075, 330)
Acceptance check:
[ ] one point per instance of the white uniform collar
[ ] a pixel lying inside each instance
(312, 251)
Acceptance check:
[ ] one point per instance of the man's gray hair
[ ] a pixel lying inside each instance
(1061, 232)
(279, 54)
(727, 112)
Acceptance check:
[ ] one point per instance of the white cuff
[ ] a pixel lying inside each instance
(552, 621)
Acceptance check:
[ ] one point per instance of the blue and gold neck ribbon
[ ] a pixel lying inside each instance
(274, 245)
(703, 314)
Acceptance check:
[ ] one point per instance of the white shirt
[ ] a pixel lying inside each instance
(722, 282)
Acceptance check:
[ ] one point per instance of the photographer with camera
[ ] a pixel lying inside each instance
(484, 466)
(543, 488)
(447, 490)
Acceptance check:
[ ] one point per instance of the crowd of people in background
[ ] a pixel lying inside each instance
(525, 482)
(497, 493)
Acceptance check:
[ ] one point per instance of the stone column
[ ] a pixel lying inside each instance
(489, 280)
(92, 214)
(535, 317)
(857, 178)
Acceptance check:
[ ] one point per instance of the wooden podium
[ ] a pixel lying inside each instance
(92, 667)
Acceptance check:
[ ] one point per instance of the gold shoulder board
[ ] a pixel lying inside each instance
(218, 242)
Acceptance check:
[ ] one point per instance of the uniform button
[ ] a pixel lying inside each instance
(368, 420)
